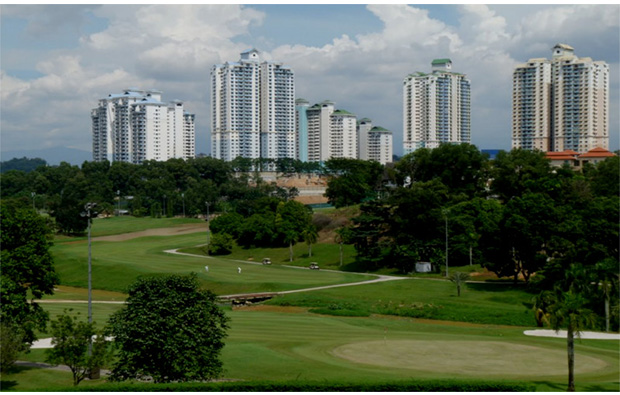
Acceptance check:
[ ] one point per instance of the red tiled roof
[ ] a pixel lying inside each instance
(561, 157)
(597, 153)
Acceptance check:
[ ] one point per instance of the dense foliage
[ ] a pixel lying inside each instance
(175, 187)
(517, 216)
(27, 269)
(169, 330)
(322, 386)
(71, 341)
(22, 164)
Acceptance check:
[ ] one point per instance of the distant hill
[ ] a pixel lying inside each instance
(53, 156)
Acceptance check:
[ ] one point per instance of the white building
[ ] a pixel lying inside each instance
(331, 133)
(436, 108)
(253, 109)
(135, 126)
(561, 104)
(374, 142)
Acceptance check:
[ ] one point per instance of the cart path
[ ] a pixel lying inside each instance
(377, 277)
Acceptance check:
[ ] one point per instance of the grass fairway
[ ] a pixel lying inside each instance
(498, 304)
(116, 265)
(481, 337)
(294, 345)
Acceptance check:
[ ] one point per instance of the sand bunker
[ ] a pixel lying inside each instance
(472, 358)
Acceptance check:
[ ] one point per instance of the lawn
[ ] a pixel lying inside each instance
(115, 265)
(287, 343)
(127, 224)
(412, 328)
(499, 304)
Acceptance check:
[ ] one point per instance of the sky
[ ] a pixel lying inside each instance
(57, 61)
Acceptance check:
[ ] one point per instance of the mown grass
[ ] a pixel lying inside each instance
(327, 255)
(127, 224)
(277, 342)
(116, 265)
(497, 304)
(271, 343)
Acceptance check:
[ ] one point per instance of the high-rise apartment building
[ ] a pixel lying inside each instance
(561, 104)
(136, 125)
(373, 142)
(301, 119)
(332, 133)
(436, 108)
(253, 109)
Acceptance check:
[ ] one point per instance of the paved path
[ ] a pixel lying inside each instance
(378, 278)
(562, 334)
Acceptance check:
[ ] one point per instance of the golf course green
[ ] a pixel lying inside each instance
(360, 333)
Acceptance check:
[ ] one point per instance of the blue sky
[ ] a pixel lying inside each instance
(58, 60)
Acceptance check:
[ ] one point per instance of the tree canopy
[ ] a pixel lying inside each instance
(169, 330)
(27, 268)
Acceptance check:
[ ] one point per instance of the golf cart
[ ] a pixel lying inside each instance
(314, 266)
(266, 261)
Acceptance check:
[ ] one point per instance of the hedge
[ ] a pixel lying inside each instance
(312, 386)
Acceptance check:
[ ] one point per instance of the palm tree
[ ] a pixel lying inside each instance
(567, 309)
(310, 237)
(459, 279)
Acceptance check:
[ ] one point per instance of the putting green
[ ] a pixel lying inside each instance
(472, 358)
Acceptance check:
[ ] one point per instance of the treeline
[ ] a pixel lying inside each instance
(516, 215)
(176, 187)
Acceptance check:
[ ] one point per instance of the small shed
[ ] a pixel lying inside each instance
(423, 267)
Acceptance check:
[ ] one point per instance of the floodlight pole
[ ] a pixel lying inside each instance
(208, 230)
(118, 194)
(445, 213)
(88, 213)
(183, 196)
(33, 194)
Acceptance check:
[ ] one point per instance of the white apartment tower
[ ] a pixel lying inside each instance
(374, 142)
(136, 126)
(331, 133)
(436, 108)
(561, 104)
(253, 109)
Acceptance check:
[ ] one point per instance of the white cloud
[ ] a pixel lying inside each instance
(172, 48)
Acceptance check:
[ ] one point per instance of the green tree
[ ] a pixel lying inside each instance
(221, 244)
(71, 339)
(292, 219)
(27, 269)
(567, 309)
(518, 172)
(459, 279)
(11, 344)
(352, 180)
(461, 167)
(170, 330)
(310, 236)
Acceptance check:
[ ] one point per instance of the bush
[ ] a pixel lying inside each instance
(221, 244)
(319, 386)
(11, 344)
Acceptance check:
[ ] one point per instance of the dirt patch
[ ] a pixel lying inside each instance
(471, 358)
(177, 230)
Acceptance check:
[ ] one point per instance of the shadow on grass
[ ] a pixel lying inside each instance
(549, 386)
(7, 384)
(496, 287)
(600, 388)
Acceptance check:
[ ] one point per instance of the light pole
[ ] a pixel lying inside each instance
(164, 214)
(118, 195)
(33, 194)
(208, 233)
(445, 214)
(89, 213)
(183, 196)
